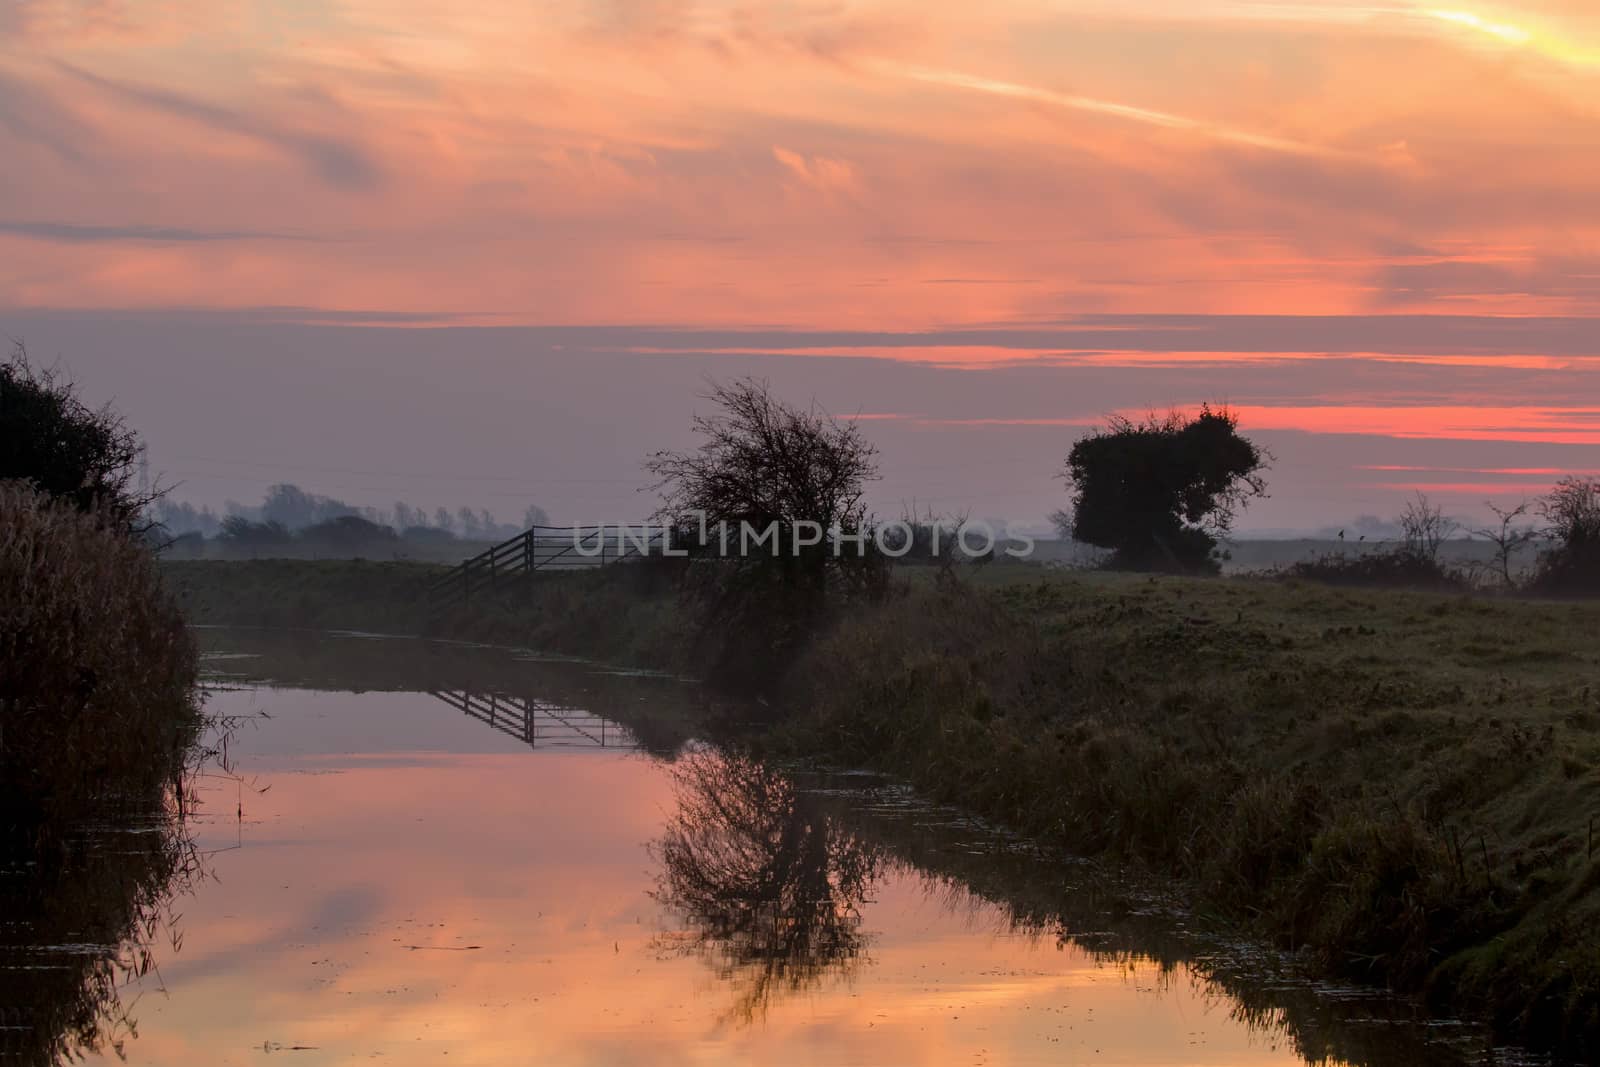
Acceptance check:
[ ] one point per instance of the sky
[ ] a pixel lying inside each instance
(490, 252)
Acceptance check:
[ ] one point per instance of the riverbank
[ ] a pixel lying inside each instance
(1401, 785)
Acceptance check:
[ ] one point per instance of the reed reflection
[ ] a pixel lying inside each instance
(770, 884)
(79, 922)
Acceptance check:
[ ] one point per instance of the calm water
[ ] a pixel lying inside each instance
(435, 854)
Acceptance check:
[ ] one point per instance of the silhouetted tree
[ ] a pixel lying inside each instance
(1508, 538)
(777, 470)
(239, 532)
(178, 518)
(349, 534)
(1159, 492)
(1424, 528)
(52, 440)
(1572, 563)
(294, 508)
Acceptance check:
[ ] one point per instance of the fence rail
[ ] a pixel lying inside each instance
(543, 548)
(537, 723)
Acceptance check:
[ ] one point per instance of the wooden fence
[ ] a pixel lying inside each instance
(543, 548)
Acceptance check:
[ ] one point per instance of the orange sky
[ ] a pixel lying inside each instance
(884, 165)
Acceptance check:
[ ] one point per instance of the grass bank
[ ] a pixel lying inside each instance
(1402, 785)
(626, 615)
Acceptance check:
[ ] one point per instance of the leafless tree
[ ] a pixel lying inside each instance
(1508, 537)
(767, 465)
(1424, 529)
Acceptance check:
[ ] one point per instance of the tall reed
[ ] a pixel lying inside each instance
(98, 703)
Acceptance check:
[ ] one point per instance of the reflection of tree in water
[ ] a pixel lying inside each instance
(79, 921)
(769, 884)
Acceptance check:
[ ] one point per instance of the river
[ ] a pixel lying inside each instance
(432, 853)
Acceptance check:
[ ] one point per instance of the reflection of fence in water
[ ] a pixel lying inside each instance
(538, 723)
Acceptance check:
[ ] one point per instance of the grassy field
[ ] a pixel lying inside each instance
(1403, 785)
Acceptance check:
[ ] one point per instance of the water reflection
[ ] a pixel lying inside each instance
(410, 875)
(78, 924)
(539, 723)
(541, 701)
(770, 884)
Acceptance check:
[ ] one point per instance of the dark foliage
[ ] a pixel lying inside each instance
(52, 440)
(427, 535)
(1397, 568)
(766, 465)
(1571, 566)
(1412, 564)
(1159, 492)
(97, 668)
(294, 508)
(240, 532)
(348, 533)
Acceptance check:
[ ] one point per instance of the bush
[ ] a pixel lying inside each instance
(97, 669)
(1412, 564)
(65, 449)
(349, 534)
(1571, 566)
(1396, 569)
(240, 533)
(1159, 492)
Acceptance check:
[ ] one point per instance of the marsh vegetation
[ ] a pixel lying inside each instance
(100, 723)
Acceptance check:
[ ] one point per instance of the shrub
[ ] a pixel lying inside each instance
(97, 669)
(65, 449)
(1159, 492)
(1572, 563)
(349, 534)
(1412, 564)
(239, 532)
(1397, 568)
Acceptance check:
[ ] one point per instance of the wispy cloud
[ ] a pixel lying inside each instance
(75, 233)
(827, 176)
(338, 162)
(1113, 109)
(31, 115)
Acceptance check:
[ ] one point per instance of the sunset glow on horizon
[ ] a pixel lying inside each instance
(884, 166)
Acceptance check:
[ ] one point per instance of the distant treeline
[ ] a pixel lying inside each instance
(289, 513)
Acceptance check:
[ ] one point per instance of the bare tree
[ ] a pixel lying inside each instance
(1508, 538)
(1572, 509)
(774, 469)
(1424, 529)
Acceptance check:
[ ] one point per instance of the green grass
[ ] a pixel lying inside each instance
(1400, 784)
